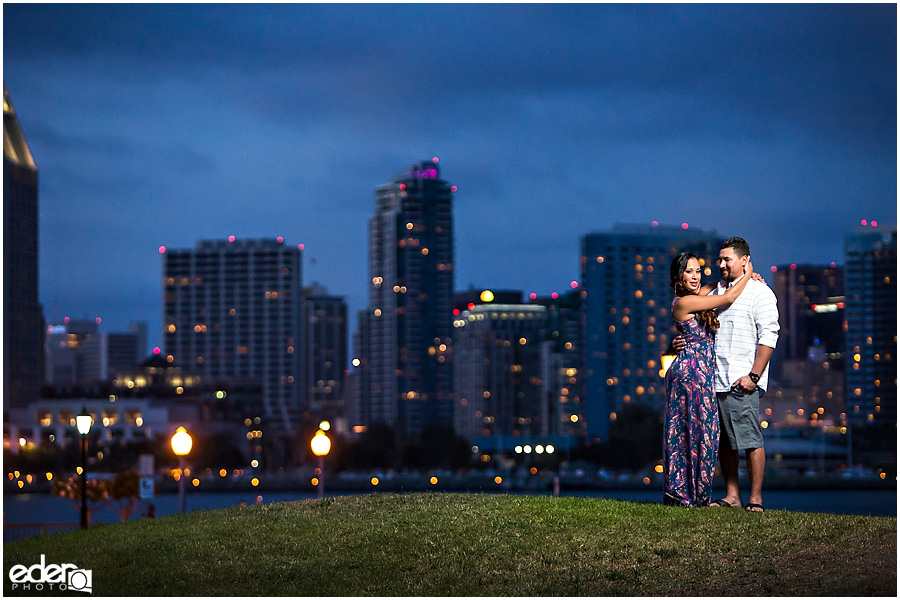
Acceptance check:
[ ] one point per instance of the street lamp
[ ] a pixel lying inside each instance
(83, 422)
(181, 445)
(321, 445)
(667, 359)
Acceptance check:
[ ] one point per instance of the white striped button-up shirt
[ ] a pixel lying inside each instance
(750, 321)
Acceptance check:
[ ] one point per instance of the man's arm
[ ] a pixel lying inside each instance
(763, 355)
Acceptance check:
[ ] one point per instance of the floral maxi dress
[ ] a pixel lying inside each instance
(692, 419)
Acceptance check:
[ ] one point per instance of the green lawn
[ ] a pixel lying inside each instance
(442, 544)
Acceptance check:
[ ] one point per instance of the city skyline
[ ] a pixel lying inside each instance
(777, 123)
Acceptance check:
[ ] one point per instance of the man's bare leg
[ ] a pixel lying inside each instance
(756, 467)
(728, 462)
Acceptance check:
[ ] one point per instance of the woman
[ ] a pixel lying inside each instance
(692, 413)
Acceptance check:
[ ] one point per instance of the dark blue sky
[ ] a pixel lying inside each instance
(165, 124)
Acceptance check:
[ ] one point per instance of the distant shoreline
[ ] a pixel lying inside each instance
(471, 482)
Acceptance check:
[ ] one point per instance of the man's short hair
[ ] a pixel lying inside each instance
(740, 245)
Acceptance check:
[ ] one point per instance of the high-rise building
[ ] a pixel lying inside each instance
(65, 355)
(359, 409)
(498, 373)
(110, 352)
(564, 362)
(77, 352)
(811, 314)
(469, 298)
(406, 356)
(326, 354)
(627, 318)
(517, 370)
(807, 368)
(234, 310)
(139, 330)
(871, 311)
(23, 320)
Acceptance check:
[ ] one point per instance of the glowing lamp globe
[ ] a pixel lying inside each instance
(83, 422)
(667, 360)
(181, 442)
(320, 444)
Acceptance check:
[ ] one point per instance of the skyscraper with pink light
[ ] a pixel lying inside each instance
(404, 375)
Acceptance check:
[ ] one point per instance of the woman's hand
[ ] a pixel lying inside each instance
(748, 269)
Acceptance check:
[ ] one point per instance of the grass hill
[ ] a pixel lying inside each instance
(443, 544)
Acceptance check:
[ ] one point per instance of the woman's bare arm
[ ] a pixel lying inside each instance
(687, 305)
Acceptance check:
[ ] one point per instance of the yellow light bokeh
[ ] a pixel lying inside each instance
(181, 442)
(320, 443)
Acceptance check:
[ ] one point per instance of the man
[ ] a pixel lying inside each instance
(745, 342)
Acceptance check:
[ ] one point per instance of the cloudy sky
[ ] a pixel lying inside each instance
(166, 124)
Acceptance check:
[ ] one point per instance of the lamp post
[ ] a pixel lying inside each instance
(181, 445)
(83, 422)
(321, 445)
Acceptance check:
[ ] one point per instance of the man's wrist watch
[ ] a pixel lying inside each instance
(754, 378)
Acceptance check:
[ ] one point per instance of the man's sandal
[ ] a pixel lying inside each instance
(724, 502)
(754, 507)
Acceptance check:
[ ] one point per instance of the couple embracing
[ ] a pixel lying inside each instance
(727, 333)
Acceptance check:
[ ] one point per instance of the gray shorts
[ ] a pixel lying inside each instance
(739, 419)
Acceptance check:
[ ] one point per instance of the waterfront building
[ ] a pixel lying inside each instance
(467, 299)
(871, 324)
(808, 393)
(77, 352)
(359, 408)
(65, 350)
(627, 321)
(498, 351)
(807, 383)
(233, 310)
(50, 420)
(23, 319)
(405, 349)
(147, 402)
(563, 362)
(517, 369)
(139, 330)
(326, 355)
(810, 313)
